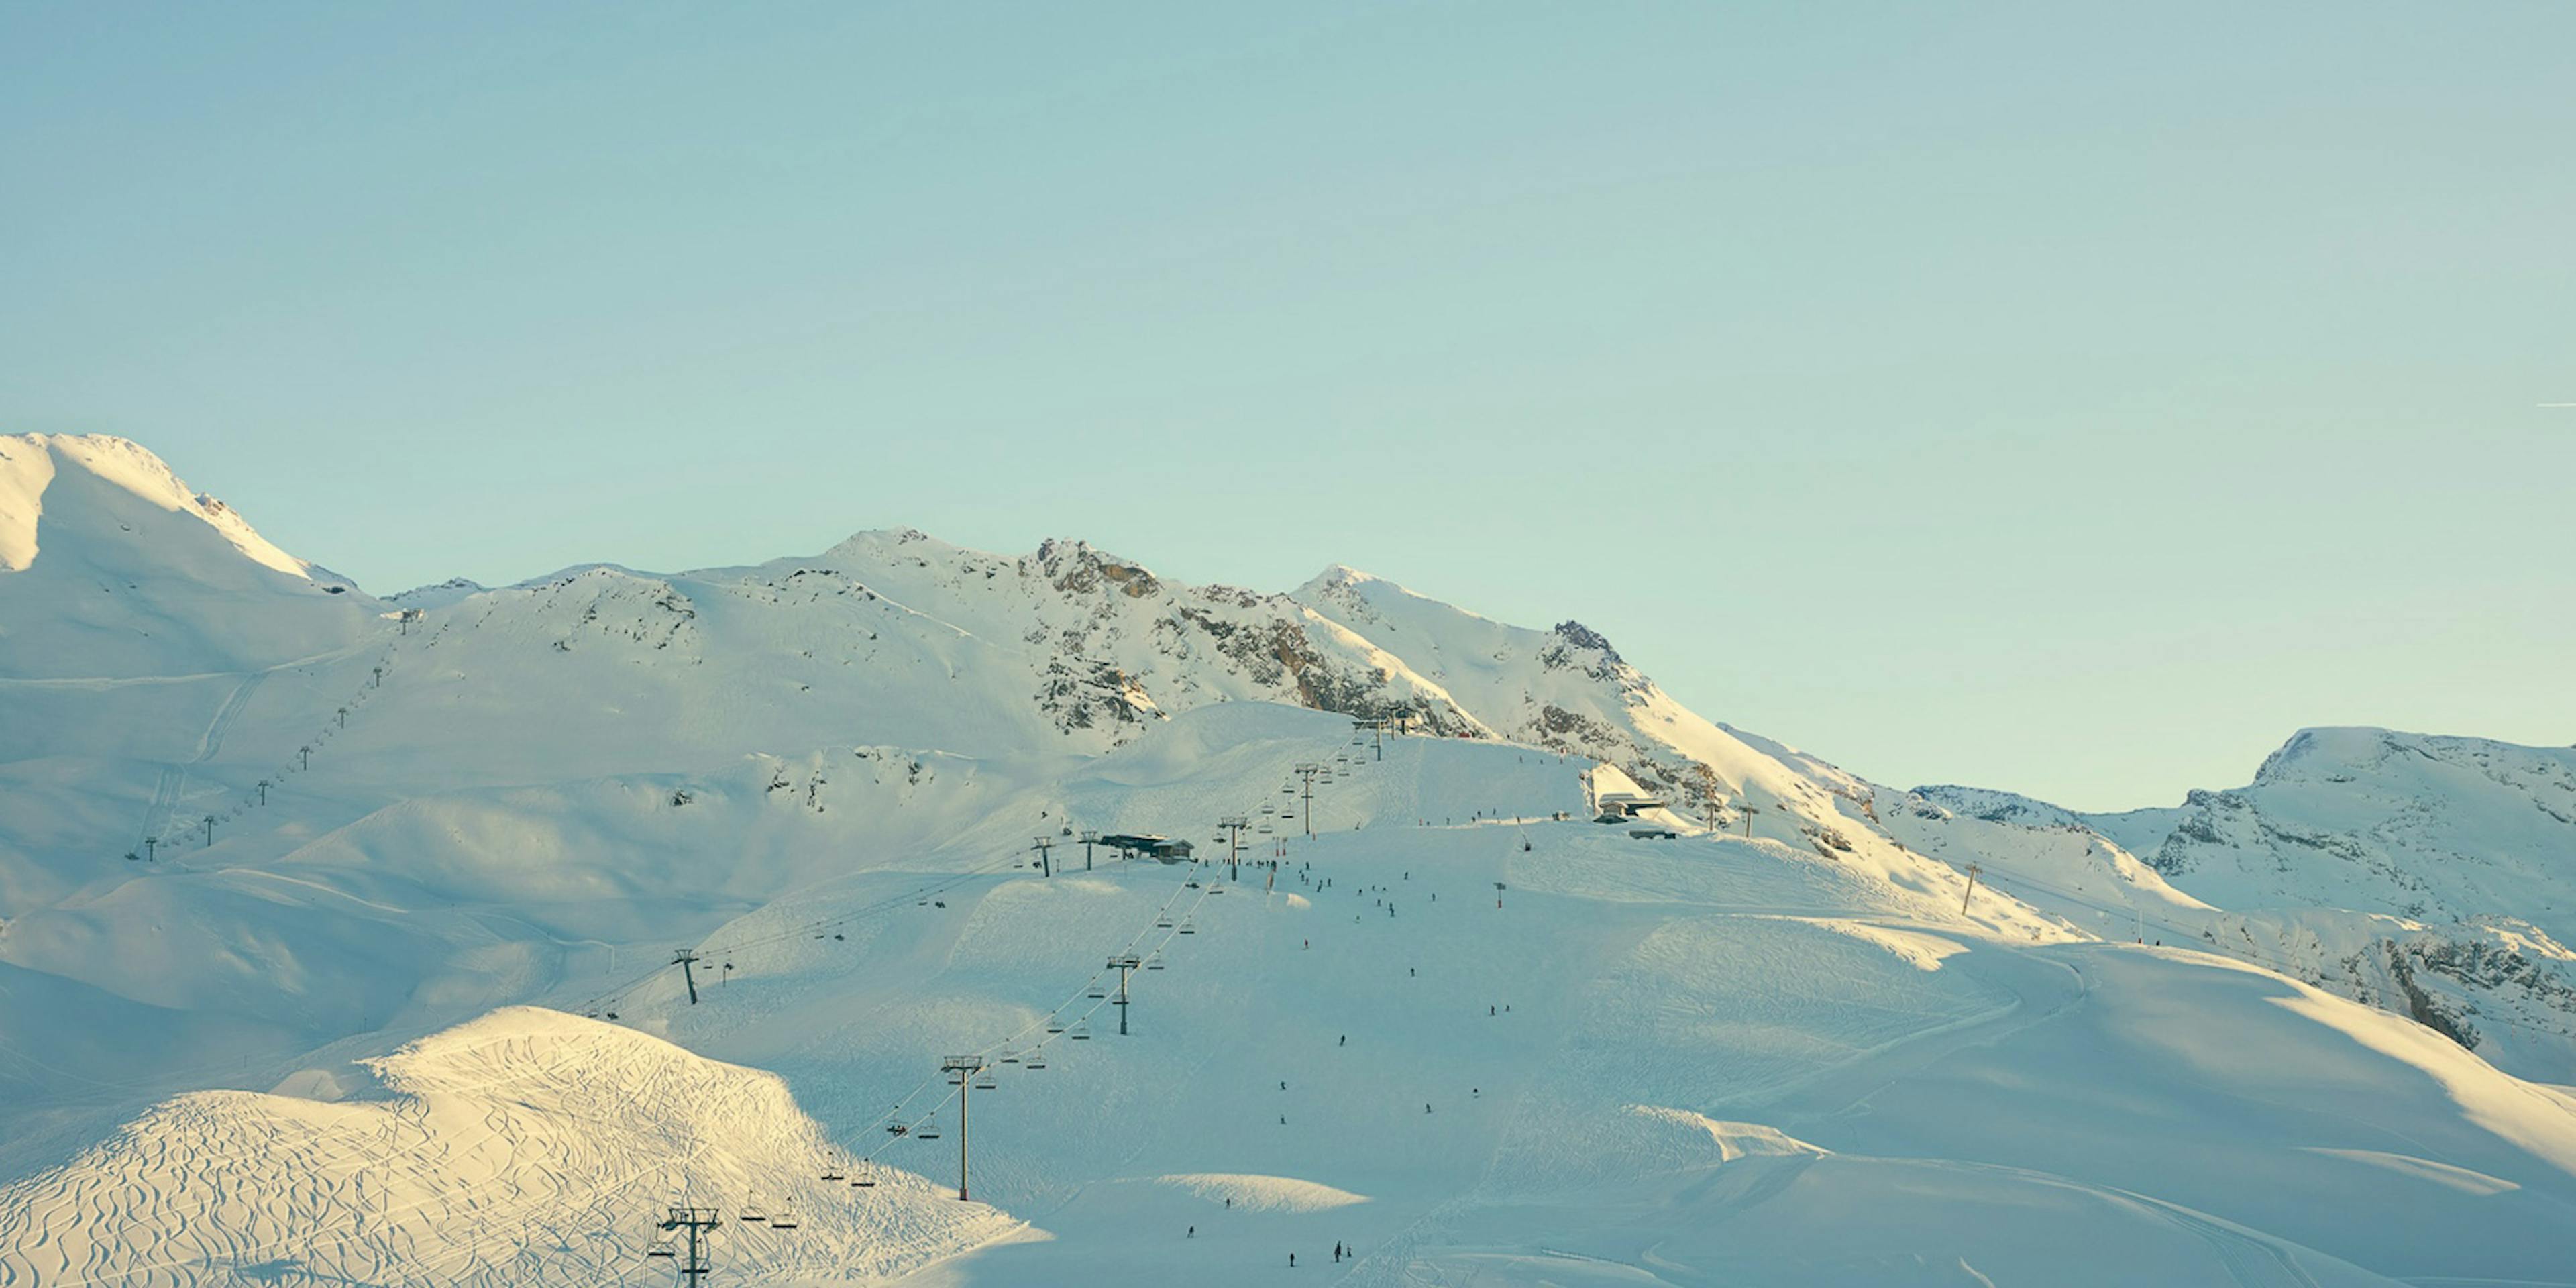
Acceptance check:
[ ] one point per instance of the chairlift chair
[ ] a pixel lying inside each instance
(783, 1221)
(1055, 1026)
(1097, 993)
(864, 1180)
(928, 1130)
(985, 1081)
(1154, 962)
(1081, 1031)
(1035, 1061)
(751, 1213)
(1162, 921)
(1189, 926)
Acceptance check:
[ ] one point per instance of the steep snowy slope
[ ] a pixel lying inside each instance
(111, 567)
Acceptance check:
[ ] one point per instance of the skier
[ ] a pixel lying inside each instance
(1292, 1261)
(1194, 1232)
(1346, 1039)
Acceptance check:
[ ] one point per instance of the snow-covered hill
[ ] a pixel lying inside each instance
(508, 1150)
(284, 868)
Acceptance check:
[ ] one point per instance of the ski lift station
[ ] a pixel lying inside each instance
(1149, 844)
(1616, 798)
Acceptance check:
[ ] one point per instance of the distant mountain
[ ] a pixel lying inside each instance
(2435, 876)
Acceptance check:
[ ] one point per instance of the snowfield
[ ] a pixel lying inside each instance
(339, 942)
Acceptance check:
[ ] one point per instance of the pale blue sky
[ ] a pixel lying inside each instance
(2071, 398)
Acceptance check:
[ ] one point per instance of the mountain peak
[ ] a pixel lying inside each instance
(29, 464)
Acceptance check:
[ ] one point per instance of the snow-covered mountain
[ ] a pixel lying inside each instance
(2435, 876)
(287, 873)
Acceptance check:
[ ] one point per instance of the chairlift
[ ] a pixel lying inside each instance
(985, 1081)
(1154, 962)
(864, 1180)
(1055, 1025)
(929, 1129)
(1163, 921)
(840, 936)
(898, 1129)
(784, 1221)
(1097, 993)
(1035, 1061)
(751, 1213)
(1189, 926)
(833, 1172)
(1008, 1057)
(661, 1248)
(1081, 1031)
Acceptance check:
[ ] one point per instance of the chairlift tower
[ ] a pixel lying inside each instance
(1123, 963)
(1306, 770)
(965, 1067)
(1089, 839)
(1042, 845)
(684, 959)
(695, 1220)
(1233, 825)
